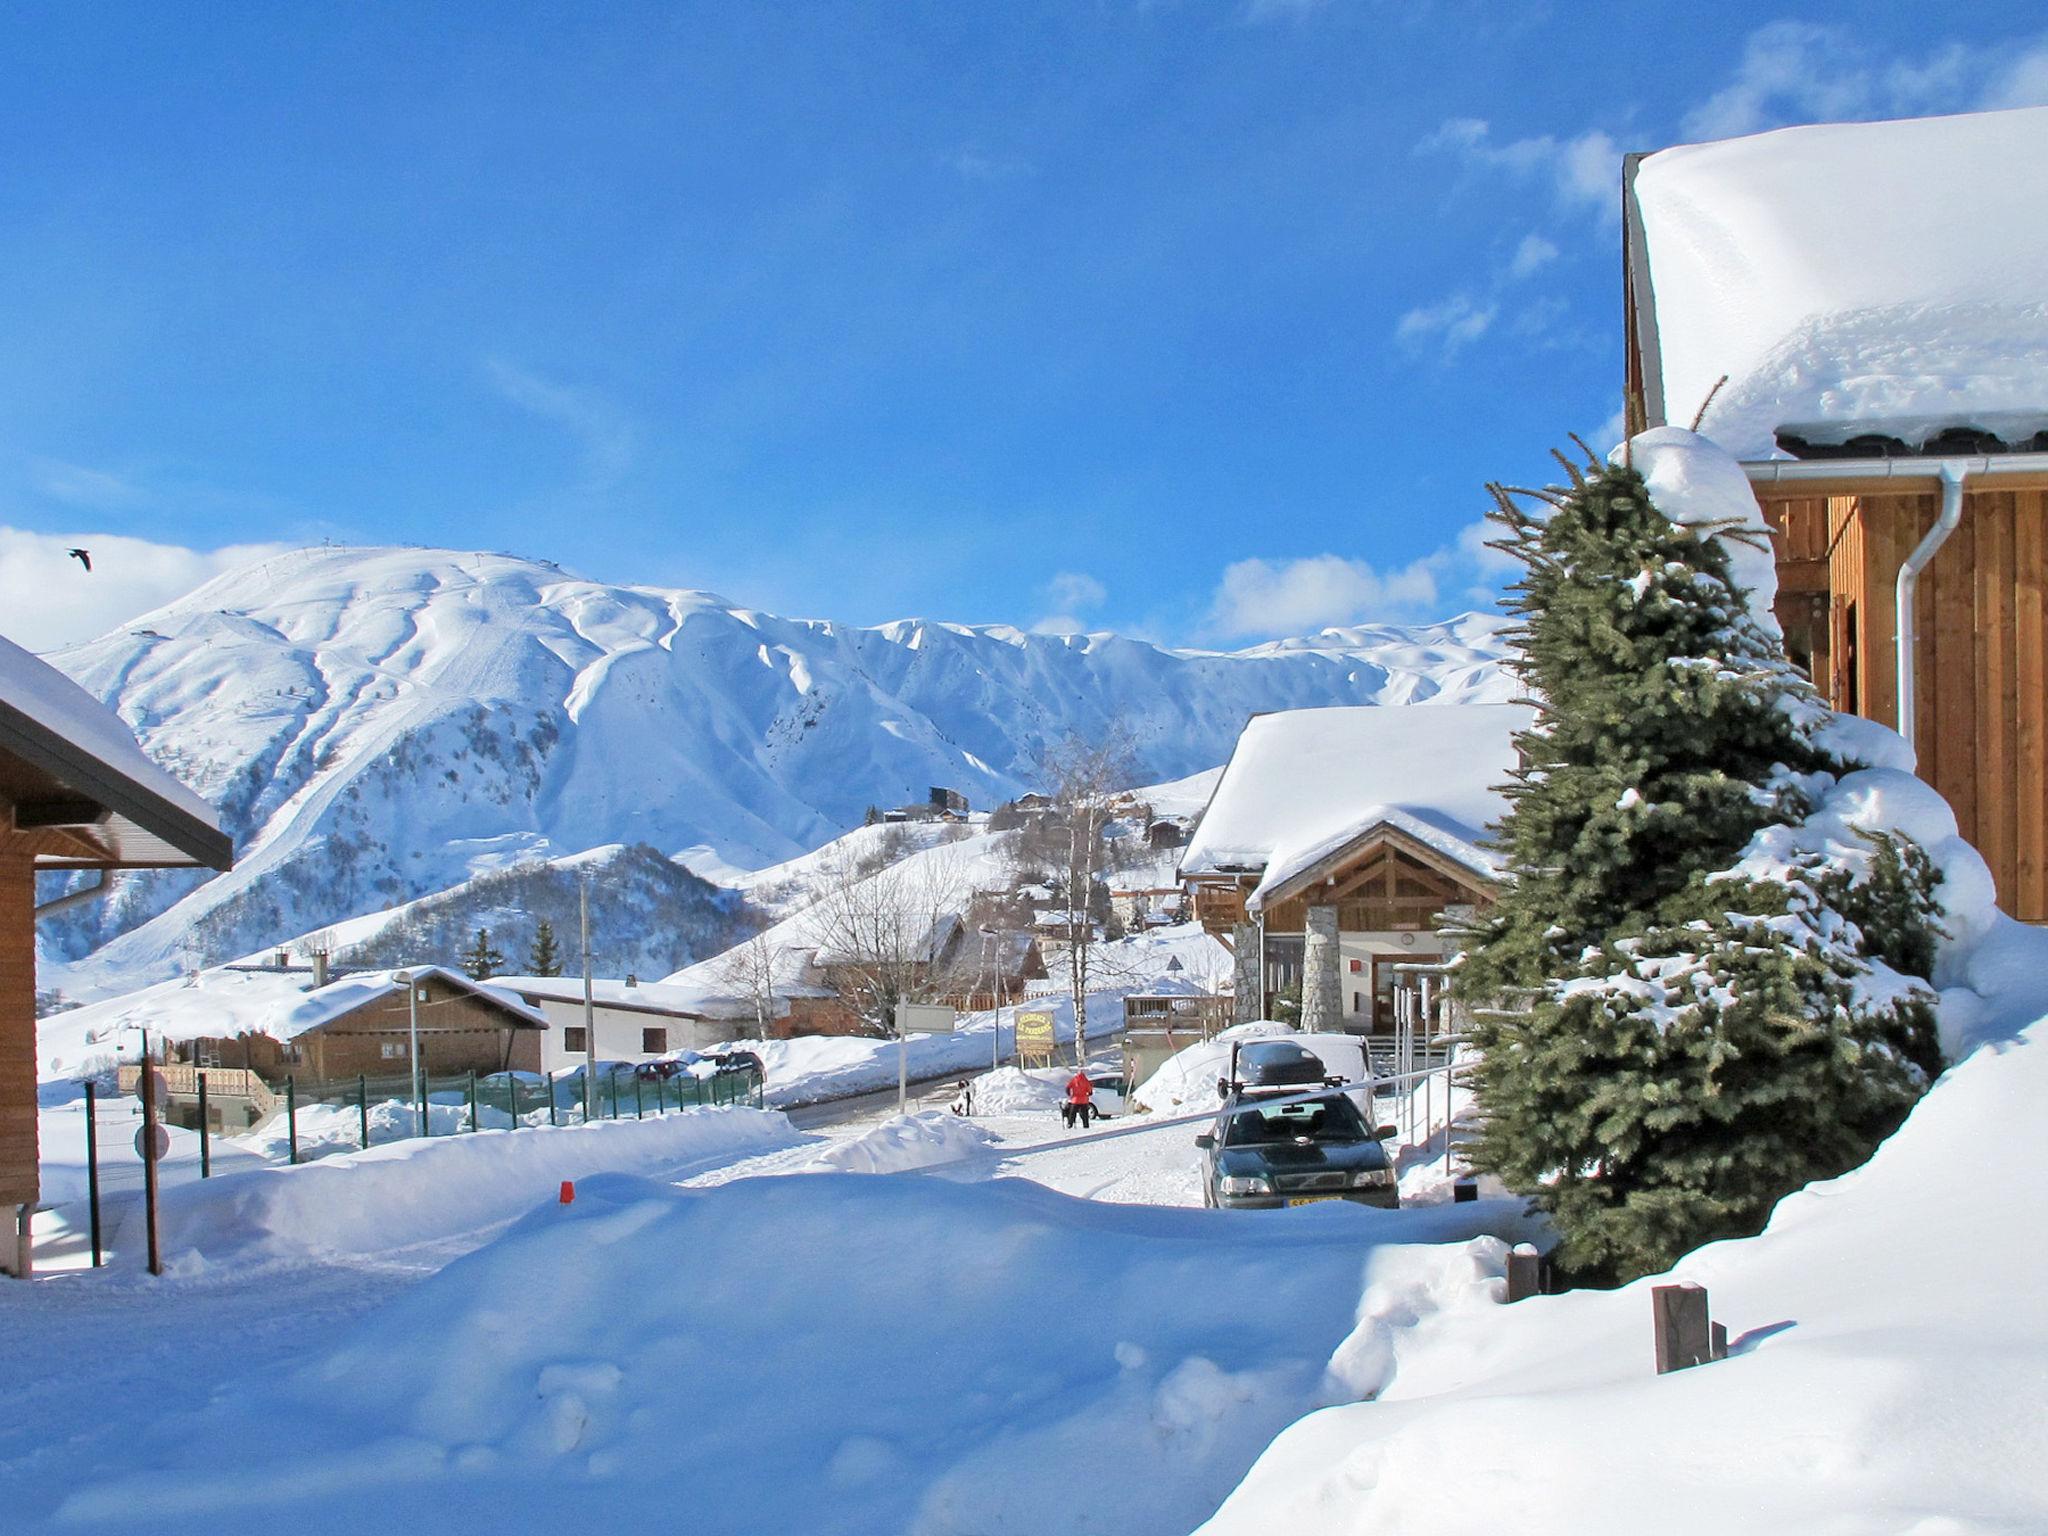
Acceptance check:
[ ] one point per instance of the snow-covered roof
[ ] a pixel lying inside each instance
(67, 734)
(1847, 278)
(606, 992)
(1305, 782)
(221, 1003)
(325, 1004)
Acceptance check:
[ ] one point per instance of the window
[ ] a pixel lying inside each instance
(574, 1038)
(391, 1050)
(653, 1042)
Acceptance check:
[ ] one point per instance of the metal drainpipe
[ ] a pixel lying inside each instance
(1952, 474)
(75, 898)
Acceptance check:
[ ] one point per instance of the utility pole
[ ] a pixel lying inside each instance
(410, 982)
(589, 1010)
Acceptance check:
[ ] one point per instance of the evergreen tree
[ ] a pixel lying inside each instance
(542, 956)
(482, 961)
(1686, 1007)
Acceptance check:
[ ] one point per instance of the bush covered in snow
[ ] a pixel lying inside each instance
(1708, 1004)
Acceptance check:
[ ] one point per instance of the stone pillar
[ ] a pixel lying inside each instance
(1322, 988)
(1250, 980)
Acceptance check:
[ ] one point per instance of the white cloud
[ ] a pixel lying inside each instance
(1583, 171)
(1804, 72)
(979, 165)
(1257, 11)
(2021, 83)
(1265, 598)
(1533, 253)
(47, 599)
(1451, 324)
(1070, 594)
(604, 437)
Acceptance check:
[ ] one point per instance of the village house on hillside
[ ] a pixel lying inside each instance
(1338, 839)
(630, 1020)
(77, 793)
(255, 1027)
(1872, 328)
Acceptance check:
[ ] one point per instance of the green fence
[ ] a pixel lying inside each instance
(372, 1110)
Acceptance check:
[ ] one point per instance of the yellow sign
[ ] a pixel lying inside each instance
(1035, 1039)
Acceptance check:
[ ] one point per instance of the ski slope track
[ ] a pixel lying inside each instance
(379, 724)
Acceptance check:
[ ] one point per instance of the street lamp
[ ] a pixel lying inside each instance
(412, 1003)
(995, 1009)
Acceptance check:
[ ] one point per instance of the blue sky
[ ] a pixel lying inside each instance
(1205, 321)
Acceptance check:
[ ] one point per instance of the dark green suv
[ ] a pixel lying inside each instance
(1289, 1150)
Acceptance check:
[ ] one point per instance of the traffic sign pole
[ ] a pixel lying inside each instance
(148, 1080)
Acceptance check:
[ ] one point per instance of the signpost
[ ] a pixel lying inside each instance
(916, 1019)
(1035, 1038)
(151, 1143)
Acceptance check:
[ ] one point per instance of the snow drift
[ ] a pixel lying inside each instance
(819, 1353)
(426, 1189)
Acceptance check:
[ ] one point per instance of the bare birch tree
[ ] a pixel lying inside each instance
(879, 935)
(1086, 780)
(749, 969)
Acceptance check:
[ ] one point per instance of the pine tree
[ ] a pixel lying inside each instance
(1686, 1009)
(542, 956)
(482, 961)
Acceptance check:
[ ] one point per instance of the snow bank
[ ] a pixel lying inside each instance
(1013, 1091)
(1885, 1370)
(421, 1190)
(907, 1141)
(1764, 266)
(860, 1357)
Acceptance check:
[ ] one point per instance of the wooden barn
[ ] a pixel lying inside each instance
(76, 793)
(1885, 381)
(1337, 840)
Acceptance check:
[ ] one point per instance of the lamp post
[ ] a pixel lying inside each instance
(412, 1003)
(995, 1003)
(589, 1010)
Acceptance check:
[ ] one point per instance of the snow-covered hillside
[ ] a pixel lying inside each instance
(378, 724)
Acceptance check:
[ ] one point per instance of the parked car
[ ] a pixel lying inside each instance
(667, 1067)
(1109, 1085)
(739, 1061)
(1281, 1150)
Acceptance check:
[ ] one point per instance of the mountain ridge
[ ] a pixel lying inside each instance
(379, 723)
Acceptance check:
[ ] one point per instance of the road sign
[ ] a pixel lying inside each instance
(1035, 1039)
(153, 1082)
(160, 1142)
(924, 1019)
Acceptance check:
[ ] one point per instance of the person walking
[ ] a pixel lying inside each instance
(1080, 1100)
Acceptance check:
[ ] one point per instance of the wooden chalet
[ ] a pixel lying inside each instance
(1897, 440)
(363, 1024)
(1336, 843)
(76, 793)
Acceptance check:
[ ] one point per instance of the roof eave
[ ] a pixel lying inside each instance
(49, 752)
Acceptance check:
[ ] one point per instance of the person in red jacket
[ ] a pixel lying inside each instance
(1080, 1101)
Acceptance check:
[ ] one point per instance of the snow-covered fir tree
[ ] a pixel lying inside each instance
(483, 960)
(1686, 1010)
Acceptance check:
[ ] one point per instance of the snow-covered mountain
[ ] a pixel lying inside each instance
(379, 724)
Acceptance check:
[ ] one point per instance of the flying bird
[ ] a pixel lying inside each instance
(83, 557)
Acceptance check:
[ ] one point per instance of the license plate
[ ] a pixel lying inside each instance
(1311, 1199)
